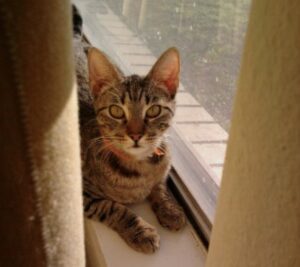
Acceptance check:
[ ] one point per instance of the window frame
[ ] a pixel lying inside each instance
(194, 181)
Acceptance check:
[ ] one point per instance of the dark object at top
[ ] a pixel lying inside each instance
(77, 21)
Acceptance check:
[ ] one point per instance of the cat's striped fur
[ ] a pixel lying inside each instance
(126, 160)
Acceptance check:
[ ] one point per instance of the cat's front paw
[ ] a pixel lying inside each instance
(143, 238)
(170, 215)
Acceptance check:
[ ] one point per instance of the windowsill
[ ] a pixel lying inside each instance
(181, 248)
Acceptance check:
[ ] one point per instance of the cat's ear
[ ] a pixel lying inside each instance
(165, 71)
(101, 71)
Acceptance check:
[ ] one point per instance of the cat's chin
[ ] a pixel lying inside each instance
(139, 153)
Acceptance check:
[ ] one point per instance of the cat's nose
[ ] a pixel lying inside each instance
(135, 137)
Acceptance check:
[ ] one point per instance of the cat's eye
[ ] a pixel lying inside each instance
(154, 111)
(116, 112)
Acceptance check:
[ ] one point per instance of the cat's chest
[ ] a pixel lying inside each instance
(130, 183)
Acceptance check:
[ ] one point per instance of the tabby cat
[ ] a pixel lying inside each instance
(125, 158)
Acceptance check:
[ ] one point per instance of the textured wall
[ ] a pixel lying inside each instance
(258, 214)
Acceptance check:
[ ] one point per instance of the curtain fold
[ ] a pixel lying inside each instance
(258, 213)
(41, 200)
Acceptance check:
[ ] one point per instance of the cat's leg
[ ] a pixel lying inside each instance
(137, 233)
(168, 212)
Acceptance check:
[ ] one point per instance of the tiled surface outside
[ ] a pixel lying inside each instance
(133, 49)
(126, 39)
(185, 98)
(120, 31)
(192, 114)
(139, 59)
(203, 132)
(213, 153)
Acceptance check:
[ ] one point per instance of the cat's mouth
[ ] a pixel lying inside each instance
(136, 145)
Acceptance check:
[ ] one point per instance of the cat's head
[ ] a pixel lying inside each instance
(134, 112)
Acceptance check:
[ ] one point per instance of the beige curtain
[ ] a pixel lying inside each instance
(41, 222)
(258, 215)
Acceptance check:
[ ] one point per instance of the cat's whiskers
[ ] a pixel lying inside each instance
(99, 143)
(105, 156)
(93, 144)
(162, 148)
(106, 137)
(114, 138)
(104, 151)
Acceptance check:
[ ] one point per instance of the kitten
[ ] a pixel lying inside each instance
(125, 158)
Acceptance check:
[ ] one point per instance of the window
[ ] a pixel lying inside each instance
(209, 35)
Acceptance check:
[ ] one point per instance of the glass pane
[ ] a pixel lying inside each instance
(209, 35)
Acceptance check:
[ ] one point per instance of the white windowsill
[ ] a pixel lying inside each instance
(106, 248)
